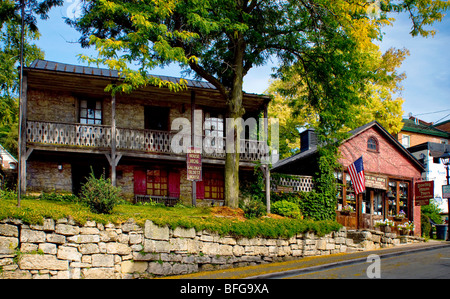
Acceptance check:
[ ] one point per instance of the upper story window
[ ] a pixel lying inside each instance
(214, 127)
(91, 112)
(156, 118)
(372, 144)
(406, 141)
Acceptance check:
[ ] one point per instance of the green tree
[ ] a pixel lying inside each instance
(221, 40)
(9, 79)
(10, 36)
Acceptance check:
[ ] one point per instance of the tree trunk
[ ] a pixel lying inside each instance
(235, 110)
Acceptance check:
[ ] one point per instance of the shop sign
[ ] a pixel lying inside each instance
(376, 182)
(194, 164)
(285, 189)
(446, 191)
(424, 192)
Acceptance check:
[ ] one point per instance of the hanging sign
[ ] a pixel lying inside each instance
(446, 191)
(194, 164)
(424, 192)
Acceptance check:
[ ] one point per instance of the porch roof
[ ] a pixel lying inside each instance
(75, 78)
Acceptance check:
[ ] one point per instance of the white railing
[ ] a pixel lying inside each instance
(69, 134)
(151, 141)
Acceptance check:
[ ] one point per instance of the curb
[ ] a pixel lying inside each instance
(281, 274)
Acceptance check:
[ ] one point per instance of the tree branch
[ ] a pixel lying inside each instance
(210, 78)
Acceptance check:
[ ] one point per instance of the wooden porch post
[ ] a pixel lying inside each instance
(22, 175)
(267, 168)
(194, 183)
(113, 159)
(113, 140)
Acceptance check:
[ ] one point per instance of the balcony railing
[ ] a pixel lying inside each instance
(135, 140)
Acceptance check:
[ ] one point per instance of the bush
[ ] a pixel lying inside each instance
(425, 226)
(286, 208)
(100, 195)
(253, 208)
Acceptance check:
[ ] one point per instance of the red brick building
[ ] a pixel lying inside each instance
(390, 173)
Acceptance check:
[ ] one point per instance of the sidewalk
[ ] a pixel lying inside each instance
(308, 264)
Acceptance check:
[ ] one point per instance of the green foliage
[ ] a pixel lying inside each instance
(432, 211)
(286, 208)
(316, 206)
(34, 211)
(253, 207)
(99, 194)
(59, 197)
(425, 225)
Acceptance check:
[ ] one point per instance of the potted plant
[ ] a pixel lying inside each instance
(400, 216)
(347, 209)
(384, 225)
(405, 228)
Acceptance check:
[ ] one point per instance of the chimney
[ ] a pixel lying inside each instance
(308, 139)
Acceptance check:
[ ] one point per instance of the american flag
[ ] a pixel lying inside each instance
(356, 171)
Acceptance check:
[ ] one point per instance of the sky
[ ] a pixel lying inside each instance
(426, 88)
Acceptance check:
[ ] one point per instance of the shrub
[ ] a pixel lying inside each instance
(253, 208)
(286, 208)
(100, 195)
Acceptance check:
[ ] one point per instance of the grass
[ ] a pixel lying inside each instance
(34, 211)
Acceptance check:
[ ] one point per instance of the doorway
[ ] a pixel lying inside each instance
(82, 170)
(372, 207)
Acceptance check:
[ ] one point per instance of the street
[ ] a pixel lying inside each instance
(428, 264)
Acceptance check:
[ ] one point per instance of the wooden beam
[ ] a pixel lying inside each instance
(22, 175)
(194, 183)
(113, 141)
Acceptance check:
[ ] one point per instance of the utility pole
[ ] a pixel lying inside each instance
(21, 152)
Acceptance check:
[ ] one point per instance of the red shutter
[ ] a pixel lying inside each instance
(174, 184)
(140, 182)
(200, 189)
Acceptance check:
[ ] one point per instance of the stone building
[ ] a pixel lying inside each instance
(72, 127)
(390, 173)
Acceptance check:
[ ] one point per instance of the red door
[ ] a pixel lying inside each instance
(174, 184)
(140, 182)
(200, 190)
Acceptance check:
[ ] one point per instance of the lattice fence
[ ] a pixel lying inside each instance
(291, 183)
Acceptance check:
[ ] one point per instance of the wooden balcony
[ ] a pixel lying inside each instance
(97, 138)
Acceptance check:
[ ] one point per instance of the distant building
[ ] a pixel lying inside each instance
(416, 131)
(428, 154)
(7, 161)
(444, 126)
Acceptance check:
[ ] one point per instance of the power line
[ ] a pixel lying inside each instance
(434, 112)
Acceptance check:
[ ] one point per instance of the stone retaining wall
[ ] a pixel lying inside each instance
(63, 249)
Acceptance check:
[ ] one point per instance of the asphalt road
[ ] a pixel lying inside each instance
(430, 264)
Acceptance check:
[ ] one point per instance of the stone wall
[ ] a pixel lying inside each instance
(63, 249)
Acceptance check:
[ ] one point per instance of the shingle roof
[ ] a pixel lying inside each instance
(308, 154)
(39, 64)
(409, 125)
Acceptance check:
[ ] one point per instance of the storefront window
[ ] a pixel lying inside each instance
(403, 198)
(350, 193)
(392, 198)
(378, 203)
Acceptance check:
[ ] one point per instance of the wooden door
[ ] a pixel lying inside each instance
(140, 181)
(174, 184)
